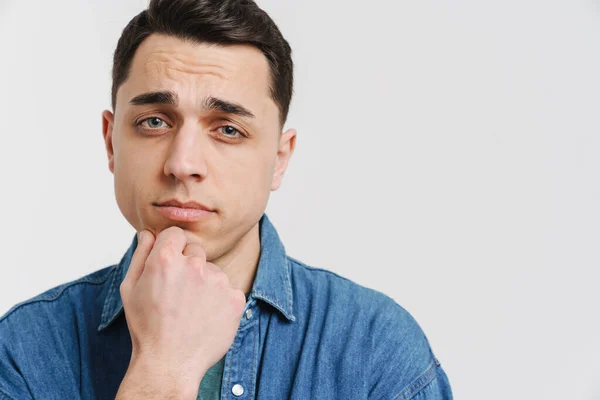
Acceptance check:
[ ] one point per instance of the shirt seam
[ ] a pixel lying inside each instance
(308, 267)
(336, 275)
(62, 289)
(288, 289)
(418, 384)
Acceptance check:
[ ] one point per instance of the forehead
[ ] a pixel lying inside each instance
(236, 72)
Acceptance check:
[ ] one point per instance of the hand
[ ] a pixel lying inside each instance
(181, 311)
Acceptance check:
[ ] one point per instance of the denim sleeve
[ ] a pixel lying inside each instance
(12, 383)
(403, 364)
(432, 385)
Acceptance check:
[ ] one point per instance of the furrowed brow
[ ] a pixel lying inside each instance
(165, 97)
(224, 106)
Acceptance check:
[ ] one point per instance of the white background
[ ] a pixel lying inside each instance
(448, 155)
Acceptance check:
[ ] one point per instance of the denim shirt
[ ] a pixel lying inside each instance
(305, 333)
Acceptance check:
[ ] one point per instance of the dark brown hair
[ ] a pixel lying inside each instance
(221, 22)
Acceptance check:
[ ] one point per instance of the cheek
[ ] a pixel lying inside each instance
(132, 174)
(127, 167)
(248, 179)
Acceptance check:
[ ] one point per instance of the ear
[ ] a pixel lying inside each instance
(107, 132)
(287, 143)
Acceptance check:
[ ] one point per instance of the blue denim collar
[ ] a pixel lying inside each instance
(272, 283)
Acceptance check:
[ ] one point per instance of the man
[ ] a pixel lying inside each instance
(206, 303)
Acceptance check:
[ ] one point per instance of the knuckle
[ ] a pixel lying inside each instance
(217, 274)
(221, 278)
(195, 250)
(212, 267)
(169, 242)
(164, 255)
(196, 263)
(197, 270)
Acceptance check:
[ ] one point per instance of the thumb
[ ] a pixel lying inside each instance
(136, 266)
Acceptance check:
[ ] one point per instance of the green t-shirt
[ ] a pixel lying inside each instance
(210, 387)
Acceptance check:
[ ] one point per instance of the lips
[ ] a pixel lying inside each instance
(189, 211)
(187, 204)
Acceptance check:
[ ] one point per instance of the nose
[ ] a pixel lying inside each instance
(186, 158)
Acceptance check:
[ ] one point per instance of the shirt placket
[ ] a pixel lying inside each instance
(241, 361)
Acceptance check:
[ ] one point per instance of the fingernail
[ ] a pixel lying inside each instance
(140, 236)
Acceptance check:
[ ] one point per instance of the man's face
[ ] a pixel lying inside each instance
(196, 123)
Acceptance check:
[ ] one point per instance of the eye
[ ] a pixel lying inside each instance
(153, 123)
(229, 131)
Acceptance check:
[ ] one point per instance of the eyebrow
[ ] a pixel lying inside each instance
(214, 103)
(209, 103)
(169, 98)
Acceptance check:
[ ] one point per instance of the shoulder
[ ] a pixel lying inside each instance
(317, 278)
(48, 326)
(341, 291)
(55, 299)
(401, 359)
(384, 320)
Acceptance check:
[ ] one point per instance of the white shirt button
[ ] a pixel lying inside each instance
(237, 390)
(249, 313)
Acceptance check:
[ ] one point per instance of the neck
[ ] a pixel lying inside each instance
(240, 264)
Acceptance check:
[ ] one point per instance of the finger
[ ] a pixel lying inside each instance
(194, 250)
(172, 237)
(215, 268)
(136, 266)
